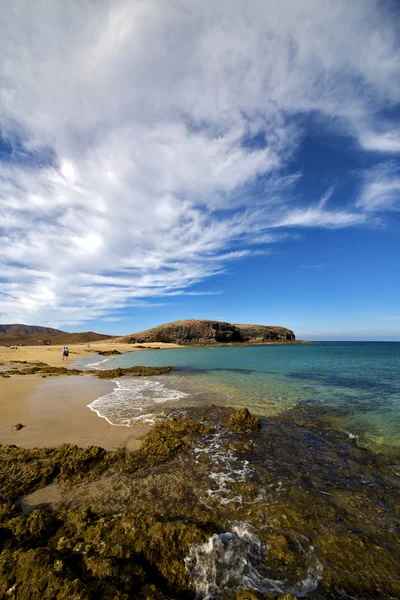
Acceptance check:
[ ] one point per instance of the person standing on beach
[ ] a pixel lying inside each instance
(66, 352)
(63, 352)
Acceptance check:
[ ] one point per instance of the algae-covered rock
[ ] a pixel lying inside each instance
(242, 421)
(39, 368)
(22, 470)
(34, 575)
(324, 514)
(358, 566)
(136, 371)
(32, 529)
(171, 436)
(18, 426)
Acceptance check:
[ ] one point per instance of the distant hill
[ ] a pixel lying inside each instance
(202, 331)
(263, 333)
(27, 329)
(32, 335)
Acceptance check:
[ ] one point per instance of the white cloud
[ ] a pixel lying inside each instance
(146, 107)
(317, 266)
(387, 141)
(381, 188)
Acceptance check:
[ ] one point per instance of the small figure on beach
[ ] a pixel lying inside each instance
(64, 353)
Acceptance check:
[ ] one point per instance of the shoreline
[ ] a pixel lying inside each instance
(51, 355)
(55, 411)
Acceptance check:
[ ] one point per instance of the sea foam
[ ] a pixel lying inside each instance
(237, 560)
(133, 400)
(99, 364)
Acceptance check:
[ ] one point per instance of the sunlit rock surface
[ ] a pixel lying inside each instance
(202, 331)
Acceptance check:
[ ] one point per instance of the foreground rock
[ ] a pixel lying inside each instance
(201, 511)
(243, 422)
(202, 331)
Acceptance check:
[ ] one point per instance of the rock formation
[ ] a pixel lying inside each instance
(265, 333)
(202, 331)
(242, 421)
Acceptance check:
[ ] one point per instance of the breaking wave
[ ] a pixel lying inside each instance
(98, 365)
(133, 400)
(238, 560)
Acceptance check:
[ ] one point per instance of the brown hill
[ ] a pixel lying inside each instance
(61, 338)
(17, 329)
(264, 333)
(202, 331)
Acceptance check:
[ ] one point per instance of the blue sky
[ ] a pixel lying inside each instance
(211, 159)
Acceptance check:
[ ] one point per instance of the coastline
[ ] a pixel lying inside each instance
(51, 355)
(205, 480)
(55, 411)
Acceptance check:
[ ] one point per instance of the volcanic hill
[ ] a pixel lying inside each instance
(202, 331)
(32, 335)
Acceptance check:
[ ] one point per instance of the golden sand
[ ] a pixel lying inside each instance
(52, 354)
(54, 411)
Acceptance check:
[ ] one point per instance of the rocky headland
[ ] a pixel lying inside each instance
(203, 331)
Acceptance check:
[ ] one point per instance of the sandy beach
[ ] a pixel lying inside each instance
(52, 354)
(54, 411)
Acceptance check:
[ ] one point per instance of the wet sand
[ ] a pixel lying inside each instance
(54, 411)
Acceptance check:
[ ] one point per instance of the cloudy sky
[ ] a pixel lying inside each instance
(201, 159)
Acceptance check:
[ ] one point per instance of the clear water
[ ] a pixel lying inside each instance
(358, 383)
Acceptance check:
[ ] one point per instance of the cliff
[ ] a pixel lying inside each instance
(202, 331)
(266, 333)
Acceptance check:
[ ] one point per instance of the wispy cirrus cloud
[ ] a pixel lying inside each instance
(150, 142)
(381, 188)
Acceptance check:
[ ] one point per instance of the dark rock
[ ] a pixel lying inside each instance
(243, 422)
(18, 426)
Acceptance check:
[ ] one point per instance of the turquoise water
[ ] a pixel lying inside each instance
(357, 384)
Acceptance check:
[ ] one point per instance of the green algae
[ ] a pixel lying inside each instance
(25, 470)
(128, 520)
(48, 371)
(171, 436)
(359, 566)
(137, 371)
(243, 422)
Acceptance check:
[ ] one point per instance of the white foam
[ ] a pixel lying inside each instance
(236, 560)
(133, 400)
(226, 471)
(97, 365)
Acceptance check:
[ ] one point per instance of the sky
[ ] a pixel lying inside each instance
(213, 159)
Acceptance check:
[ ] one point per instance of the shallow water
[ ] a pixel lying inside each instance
(357, 383)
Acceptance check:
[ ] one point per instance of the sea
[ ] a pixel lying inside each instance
(354, 386)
